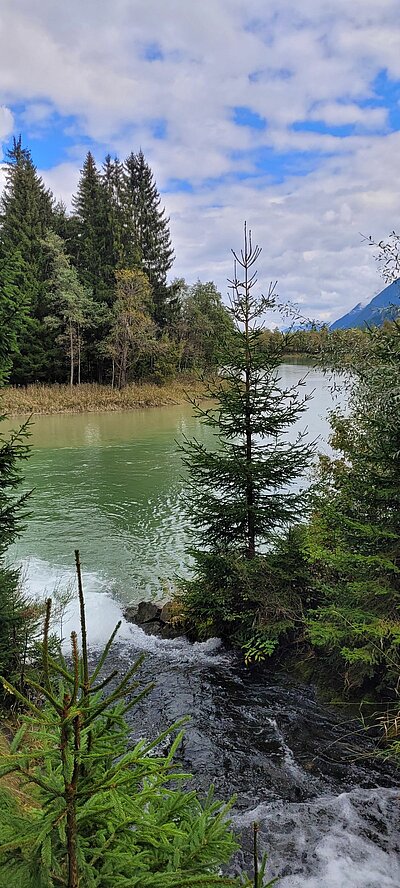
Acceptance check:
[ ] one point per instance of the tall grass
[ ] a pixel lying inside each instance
(91, 397)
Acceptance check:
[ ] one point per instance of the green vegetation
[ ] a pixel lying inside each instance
(102, 812)
(354, 536)
(327, 589)
(242, 494)
(85, 295)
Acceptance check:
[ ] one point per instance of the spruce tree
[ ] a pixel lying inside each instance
(149, 246)
(93, 237)
(26, 213)
(354, 535)
(243, 492)
(16, 616)
(112, 178)
(102, 810)
(14, 307)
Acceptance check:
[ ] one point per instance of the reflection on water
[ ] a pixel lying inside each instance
(111, 484)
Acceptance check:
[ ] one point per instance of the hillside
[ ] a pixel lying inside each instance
(385, 305)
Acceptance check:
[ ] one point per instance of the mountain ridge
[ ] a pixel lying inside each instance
(384, 306)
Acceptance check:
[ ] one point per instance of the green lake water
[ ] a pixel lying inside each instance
(111, 484)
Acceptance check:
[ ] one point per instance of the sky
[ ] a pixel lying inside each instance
(279, 112)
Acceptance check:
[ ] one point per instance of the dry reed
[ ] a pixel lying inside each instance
(92, 398)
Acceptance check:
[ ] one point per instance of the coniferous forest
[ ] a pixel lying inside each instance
(86, 297)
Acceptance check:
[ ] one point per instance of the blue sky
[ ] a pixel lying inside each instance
(284, 114)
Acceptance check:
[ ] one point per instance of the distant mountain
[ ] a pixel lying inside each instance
(384, 306)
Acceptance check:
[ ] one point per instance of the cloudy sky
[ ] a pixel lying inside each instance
(281, 112)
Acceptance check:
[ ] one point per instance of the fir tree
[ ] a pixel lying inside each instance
(112, 178)
(14, 306)
(104, 812)
(26, 213)
(150, 241)
(93, 236)
(244, 491)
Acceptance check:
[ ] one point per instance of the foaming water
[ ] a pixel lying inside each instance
(346, 841)
(42, 580)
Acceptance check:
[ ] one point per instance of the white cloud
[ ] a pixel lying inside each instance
(288, 62)
(6, 122)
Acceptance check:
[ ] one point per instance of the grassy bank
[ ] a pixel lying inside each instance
(92, 398)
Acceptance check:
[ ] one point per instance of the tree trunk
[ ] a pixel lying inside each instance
(251, 541)
(71, 352)
(79, 354)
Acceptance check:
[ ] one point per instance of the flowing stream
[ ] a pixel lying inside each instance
(112, 486)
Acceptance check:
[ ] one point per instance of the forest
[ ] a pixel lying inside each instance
(86, 297)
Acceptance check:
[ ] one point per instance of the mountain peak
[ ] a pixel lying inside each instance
(384, 306)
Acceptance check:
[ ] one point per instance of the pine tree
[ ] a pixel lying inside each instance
(104, 812)
(242, 492)
(26, 213)
(150, 241)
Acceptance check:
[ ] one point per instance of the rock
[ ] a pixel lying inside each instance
(153, 619)
(170, 631)
(147, 612)
(153, 627)
(130, 613)
(166, 612)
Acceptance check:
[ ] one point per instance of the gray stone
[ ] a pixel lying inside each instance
(147, 612)
(130, 613)
(166, 612)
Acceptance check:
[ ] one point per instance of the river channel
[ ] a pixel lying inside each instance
(112, 485)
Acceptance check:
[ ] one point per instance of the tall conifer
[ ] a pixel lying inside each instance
(92, 246)
(26, 212)
(150, 247)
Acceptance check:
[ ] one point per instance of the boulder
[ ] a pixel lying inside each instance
(166, 612)
(153, 618)
(130, 613)
(147, 611)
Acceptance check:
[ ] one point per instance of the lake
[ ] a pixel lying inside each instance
(111, 485)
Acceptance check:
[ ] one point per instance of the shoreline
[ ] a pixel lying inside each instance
(95, 398)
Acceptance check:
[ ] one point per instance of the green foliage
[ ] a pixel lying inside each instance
(242, 493)
(103, 812)
(26, 212)
(205, 326)
(243, 490)
(354, 536)
(14, 305)
(147, 238)
(90, 248)
(256, 603)
(72, 308)
(18, 617)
